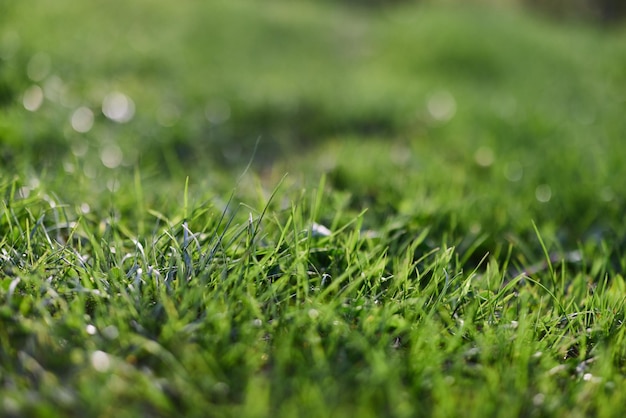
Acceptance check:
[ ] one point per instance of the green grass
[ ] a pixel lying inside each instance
(431, 223)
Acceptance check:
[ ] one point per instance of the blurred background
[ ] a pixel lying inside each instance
(438, 110)
(214, 77)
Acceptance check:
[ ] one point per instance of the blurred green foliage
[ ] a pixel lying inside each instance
(490, 106)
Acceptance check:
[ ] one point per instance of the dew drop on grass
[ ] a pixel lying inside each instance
(23, 192)
(588, 377)
(82, 120)
(100, 361)
(34, 183)
(110, 332)
(90, 329)
(319, 230)
(33, 98)
(543, 193)
(118, 107)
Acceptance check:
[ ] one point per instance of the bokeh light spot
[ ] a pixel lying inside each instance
(118, 107)
(484, 156)
(33, 98)
(69, 167)
(90, 171)
(100, 361)
(80, 148)
(54, 89)
(82, 119)
(543, 193)
(90, 329)
(513, 171)
(442, 106)
(111, 156)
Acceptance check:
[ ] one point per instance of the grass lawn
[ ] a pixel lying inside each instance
(304, 209)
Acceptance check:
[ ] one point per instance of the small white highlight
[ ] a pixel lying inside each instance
(111, 156)
(80, 148)
(118, 107)
(314, 313)
(33, 98)
(110, 332)
(82, 120)
(90, 329)
(484, 156)
(100, 361)
(318, 230)
(442, 106)
(543, 193)
(588, 377)
(23, 192)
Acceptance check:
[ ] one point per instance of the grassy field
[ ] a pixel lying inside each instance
(305, 209)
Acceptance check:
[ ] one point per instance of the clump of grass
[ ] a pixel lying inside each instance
(463, 251)
(255, 312)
